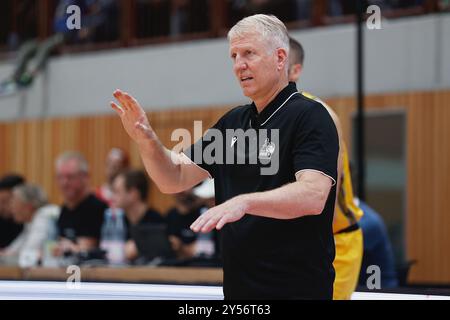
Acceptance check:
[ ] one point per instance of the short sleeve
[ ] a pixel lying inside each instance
(204, 153)
(91, 221)
(316, 145)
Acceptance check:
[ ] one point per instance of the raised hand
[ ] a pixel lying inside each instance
(133, 117)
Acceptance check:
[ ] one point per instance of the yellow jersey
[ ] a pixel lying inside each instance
(346, 212)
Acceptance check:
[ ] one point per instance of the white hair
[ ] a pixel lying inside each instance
(31, 194)
(269, 27)
(83, 165)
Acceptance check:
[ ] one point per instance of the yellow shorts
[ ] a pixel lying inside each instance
(347, 263)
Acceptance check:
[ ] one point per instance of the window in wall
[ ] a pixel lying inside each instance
(385, 148)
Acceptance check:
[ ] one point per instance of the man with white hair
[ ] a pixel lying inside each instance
(29, 206)
(275, 191)
(81, 217)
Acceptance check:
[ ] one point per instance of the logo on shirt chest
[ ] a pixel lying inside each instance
(266, 150)
(233, 141)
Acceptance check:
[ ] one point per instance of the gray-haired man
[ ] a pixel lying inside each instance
(277, 239)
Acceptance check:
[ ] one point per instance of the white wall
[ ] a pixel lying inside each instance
(407, 54)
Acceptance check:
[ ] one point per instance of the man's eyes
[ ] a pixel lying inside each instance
(246, 53)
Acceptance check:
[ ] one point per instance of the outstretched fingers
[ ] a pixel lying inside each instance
(206, 222)
(118, 109)
(118, 94)
(223, 221)
(210, 223)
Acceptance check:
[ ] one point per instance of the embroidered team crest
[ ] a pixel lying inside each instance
(267, 149)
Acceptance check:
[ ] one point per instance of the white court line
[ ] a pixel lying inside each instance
(37, 290)
(395, 296)
(86, 290)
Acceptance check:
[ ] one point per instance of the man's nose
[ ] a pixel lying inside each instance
(240, 64)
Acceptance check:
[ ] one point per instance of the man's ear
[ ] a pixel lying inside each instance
(282, 58)
(297, 70)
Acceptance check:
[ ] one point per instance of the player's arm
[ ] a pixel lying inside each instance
(340, 165)
(172, 172)
(307, 196)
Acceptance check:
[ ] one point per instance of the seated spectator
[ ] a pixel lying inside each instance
(130, 194)
(179, 15)
(303, 8)
(444, 5)
(116, 162)
(29, 206)
(342, 7)
(152, 18)
(406, 3)
(33, 54)
(383, 4)
(102, 20)
(377, 248)
(26, 12)
(335, 8)
(283, 9)
(179, 220)
(9, 229)
(187, 16)
(81, 217)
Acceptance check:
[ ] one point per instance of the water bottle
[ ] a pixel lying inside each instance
(48, 258)
(205, 243)
(114, 236)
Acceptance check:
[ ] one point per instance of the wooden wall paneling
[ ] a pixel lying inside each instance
(31, 147)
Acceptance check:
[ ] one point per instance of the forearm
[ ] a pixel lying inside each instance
(171, 172)
(159, 165)
(288, 202)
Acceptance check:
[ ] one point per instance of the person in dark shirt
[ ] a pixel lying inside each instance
(179, 219)
(274, 164)
(81, 217)
(9, 229)
(130, 191)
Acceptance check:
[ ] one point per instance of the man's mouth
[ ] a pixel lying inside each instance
(244, 79)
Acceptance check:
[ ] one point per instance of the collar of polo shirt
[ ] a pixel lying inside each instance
(260, 119)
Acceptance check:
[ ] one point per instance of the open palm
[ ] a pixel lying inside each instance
(133, 117)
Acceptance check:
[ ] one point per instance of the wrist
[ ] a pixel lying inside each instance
(245, 202)
(147, 143)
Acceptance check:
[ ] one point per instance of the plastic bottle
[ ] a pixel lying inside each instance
(114, 236)
(48, 258)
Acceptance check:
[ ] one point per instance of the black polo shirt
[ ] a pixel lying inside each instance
(266, 257)
(85, 220)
